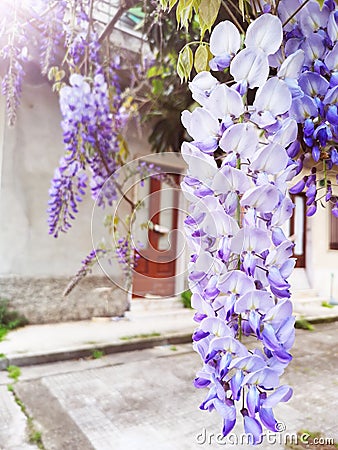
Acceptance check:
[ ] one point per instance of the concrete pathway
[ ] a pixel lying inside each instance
(143, 327)
(144, 400)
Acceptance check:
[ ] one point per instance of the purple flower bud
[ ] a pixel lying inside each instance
(311, 210)
(298, 187)
(315, 153)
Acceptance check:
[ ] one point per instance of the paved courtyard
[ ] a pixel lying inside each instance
(144, 400)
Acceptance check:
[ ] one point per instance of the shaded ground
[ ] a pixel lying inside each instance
(145, 400)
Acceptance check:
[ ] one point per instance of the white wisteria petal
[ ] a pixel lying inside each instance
(250, 65)
(303, 108)
(271, 158)
(286, 9)
(313, 17)
(250, 239)
(263, 198)
(224, 101)
(201, 87)
(331, 59)
(225, 38)
(219, 224)
(276, 60)
(332, 27)
(230, 179)
(274, 97)
(201, 166)
(202, 125)
(241, 139)
(292, 66)
(185, 119)
(283, 213)
(313, 47)
(265, 33)
(287, 133)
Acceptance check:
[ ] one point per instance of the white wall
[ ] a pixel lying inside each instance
(28, 156)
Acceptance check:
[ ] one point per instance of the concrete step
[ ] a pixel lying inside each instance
(155, 304)
(303, 293)
(299, 280)
(169, 315)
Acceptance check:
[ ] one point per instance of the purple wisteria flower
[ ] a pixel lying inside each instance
(52, 33)
(14, 55)
(313, 33)
(241, 258)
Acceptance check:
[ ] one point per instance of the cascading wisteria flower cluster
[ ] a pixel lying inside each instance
(90, 141)
(52, 33)
(14, 55)
(311, 36)
(241, 258)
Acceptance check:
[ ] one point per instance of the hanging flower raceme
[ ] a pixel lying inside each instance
(241, 259)
(91, 142)
(52, 33)
(313, 32)
(13, 56)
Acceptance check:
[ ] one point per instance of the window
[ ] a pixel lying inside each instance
(333, 231)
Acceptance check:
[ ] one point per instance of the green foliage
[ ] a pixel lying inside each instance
(185, 63)
(97, 354)
(207, 14)
(14, 372)
(202, 58)
(173, 348)
(9, 319)
(3, 332)
(186, 299)
(140, 336)
(327, 305)
(303, 324)
(35, 437)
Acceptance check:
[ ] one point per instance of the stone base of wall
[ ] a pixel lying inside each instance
(41, 300)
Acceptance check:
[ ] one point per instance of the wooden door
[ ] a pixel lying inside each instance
(155, 271)
(298, 229)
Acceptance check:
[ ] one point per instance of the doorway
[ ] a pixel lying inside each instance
(154, 274)
(298, 229)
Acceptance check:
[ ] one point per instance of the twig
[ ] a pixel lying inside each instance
(232, 15)
(295, 12)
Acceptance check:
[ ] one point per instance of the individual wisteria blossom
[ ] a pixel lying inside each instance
(241, 258)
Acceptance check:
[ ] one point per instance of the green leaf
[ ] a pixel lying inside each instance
(202, 57)
(184, 63)
(52, 72)
(207, 12)
(184, 12)
(59, 75)
(321, 3)
(155, 71)
(157, 86)
(241, 7)
(172, 3)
